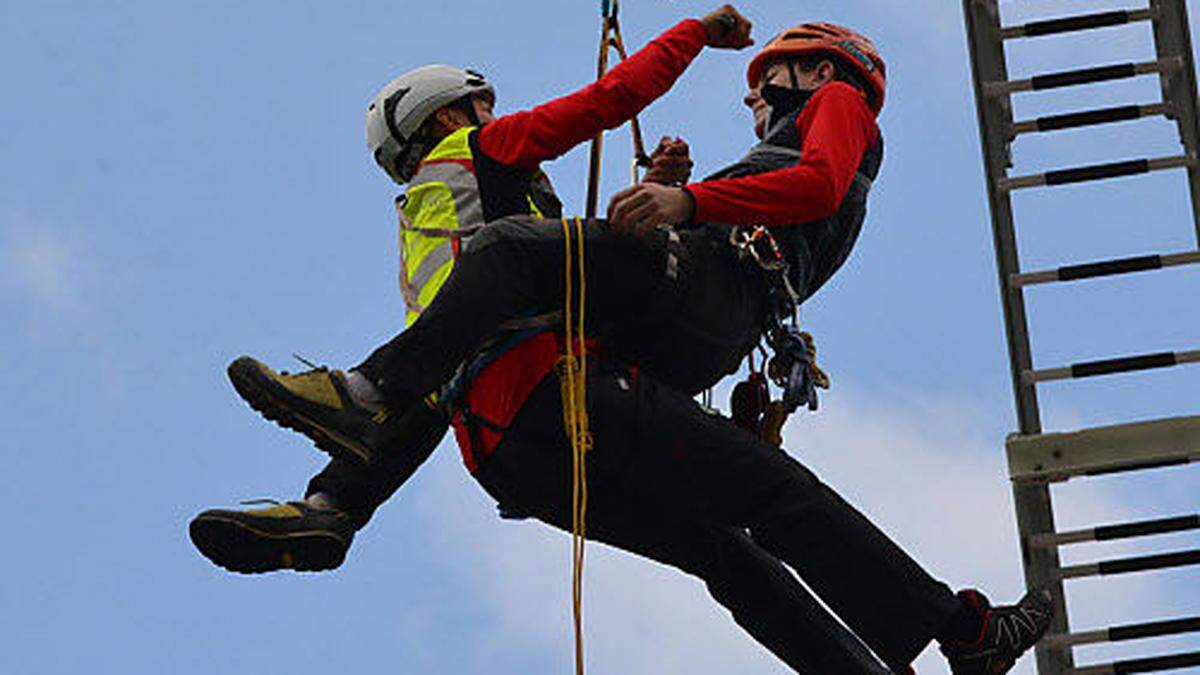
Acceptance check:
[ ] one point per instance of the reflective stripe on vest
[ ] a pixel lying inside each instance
(442, 205)
(443, 208)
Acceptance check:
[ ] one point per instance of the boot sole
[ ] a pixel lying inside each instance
(240, 547)
(269, 399)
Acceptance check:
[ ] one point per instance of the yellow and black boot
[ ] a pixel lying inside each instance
(316, 403)
(284, 536)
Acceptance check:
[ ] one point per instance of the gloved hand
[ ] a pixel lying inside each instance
(670, 163)
(727, 29)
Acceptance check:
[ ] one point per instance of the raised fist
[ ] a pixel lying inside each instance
(727, 29)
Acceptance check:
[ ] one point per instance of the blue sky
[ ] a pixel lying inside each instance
(186, 182)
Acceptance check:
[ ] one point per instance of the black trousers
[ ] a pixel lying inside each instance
(686, 310)
(674, 483)
(359, 489)
(656, 451)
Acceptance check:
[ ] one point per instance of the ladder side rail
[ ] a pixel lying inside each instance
(1172, 38)
(1032, 500)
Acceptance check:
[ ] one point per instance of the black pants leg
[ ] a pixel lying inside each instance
(530, 473)
(653, 444)
(691, 329)
(359, 489)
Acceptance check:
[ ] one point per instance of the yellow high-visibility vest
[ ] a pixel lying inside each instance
(442, 210)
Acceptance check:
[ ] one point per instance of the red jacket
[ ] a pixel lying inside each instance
(836, 126)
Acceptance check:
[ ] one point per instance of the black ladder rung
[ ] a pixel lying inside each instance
(1127, 565)
(1136, 631)
(1071, 24)
(1070, 78)
(1096, 172)
(1090, 118)
(1154, 629)
(1142, 528)
(1106, 268)
(1111, 366)
(1148, 665)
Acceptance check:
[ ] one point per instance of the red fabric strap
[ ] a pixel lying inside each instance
(500, 390)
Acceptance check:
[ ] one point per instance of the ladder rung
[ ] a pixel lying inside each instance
(1111, 366)
(1090, 118)
(1128, 632)
(1070, 78)
(1097, 172)
(1076, 23)
(1123, 531)
(1128, 565)
(1106, 268)
(1154, 629)
(1148, 665)
(1120, 447)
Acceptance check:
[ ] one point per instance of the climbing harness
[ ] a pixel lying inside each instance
(572, 373)
(610, 38)
(793, 367)
(410, 292)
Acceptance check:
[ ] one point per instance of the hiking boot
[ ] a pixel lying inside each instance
(316, 403)
(284, 536)
(1007, 633)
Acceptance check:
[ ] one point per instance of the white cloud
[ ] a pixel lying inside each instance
(43, 264)
(930, 473)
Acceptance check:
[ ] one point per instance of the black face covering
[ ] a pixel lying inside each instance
(784, 101)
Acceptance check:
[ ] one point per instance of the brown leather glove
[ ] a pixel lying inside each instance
(727, 28)
(670, 163)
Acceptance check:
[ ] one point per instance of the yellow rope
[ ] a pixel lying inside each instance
(572, 373)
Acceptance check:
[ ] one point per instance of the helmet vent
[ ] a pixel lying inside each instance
(389, 113)
(475, 79)
(801, 35)
(822, 29)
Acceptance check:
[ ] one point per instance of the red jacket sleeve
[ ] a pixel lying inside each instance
(548, 131)
(836, 128)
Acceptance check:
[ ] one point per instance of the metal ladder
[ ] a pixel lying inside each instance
(1037, 459)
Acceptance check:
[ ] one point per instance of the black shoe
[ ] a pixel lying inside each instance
(1007, 633)
(285, 536)
(316, 403)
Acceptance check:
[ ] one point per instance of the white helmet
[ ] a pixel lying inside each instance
(395, 116)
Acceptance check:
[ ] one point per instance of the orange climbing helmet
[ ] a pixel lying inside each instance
(817, 37)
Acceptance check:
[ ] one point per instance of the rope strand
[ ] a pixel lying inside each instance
(573, 379)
